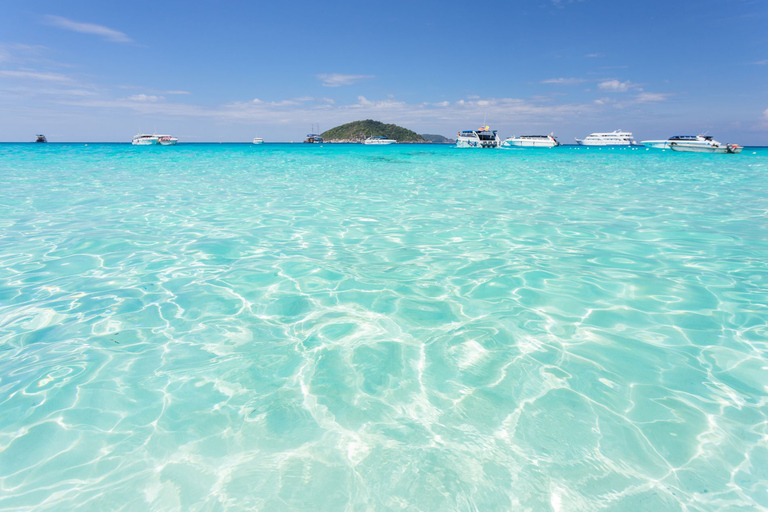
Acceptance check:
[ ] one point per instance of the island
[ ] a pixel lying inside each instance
(437, 139)
(358, 131)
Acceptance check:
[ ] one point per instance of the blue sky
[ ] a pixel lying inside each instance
(230, 71)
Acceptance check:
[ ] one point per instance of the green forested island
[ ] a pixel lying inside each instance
(437, 139)
(357, 131)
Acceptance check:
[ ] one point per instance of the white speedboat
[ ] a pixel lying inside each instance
(378, 141)
(41, 138)
(167, 140)
(616, 138)
(482, 138)
(144, 139)
(531, 141)
(711, 148)
(258, 140)
(700, 140)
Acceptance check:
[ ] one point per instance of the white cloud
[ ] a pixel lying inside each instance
(337, 80)
(36, 75)
(615, 86)
(593, 55)
(178, 92)
(88, 28)
(563, 81)
(651, 97)
(145, 98)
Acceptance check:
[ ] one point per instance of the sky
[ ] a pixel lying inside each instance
(83, 70)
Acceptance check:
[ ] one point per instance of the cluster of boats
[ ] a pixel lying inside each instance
(144, 139)
(314, 138)
(487, 138)
(484, 137)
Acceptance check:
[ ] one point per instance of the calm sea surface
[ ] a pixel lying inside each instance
(412, 327)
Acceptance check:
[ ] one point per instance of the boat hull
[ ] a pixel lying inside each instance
(656, 144)
(379, 142)
(697, 148)
(145, 142)
(258, 141)
(584, 142)
(530, 144)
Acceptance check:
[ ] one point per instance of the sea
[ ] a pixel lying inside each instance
(304, 327)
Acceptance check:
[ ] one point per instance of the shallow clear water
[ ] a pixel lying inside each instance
(295, 327)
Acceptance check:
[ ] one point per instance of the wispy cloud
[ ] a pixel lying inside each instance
(10, 52)
(651, 97)
(178, 92)
(337, 80)
(564, 81)
(615, 86)
(88, 28)
(144, 98)
(35, 75)
(593, 55)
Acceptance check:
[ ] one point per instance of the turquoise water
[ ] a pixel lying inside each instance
(412, 327)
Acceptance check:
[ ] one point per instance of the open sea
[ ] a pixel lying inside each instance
(352, 328)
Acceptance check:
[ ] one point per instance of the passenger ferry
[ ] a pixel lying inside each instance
(482, 138)
(699, 140)
(144, 139)
(531, 141)
(378, 141)
(313, 138)
(616, 138)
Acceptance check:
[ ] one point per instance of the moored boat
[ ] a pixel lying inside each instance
(41, 138)
(615, 138)
(531, 141)
(378, 141)
(712, 148)
(313, 138)
(167, 140)
(700, 140)
(144, 139)
(258, 140)
(482, 138)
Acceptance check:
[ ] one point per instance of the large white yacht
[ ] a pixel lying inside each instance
(531, 141)
(699, 140)
(258, 140)
(144, 139)
(482, 138)
(166, 140)
(616, 138)
(378, 141)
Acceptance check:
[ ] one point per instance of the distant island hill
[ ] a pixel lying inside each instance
(358, 131)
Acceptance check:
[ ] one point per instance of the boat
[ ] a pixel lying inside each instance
(701, 140)
(615, 138)
(258, 140)
(531, 141)
(166, 140)
(144, 139)
(378, 141)
(41, 138)
(313, 138)
(715, 147)
(482, 138)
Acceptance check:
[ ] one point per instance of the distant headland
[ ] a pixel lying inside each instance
(358, 131)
